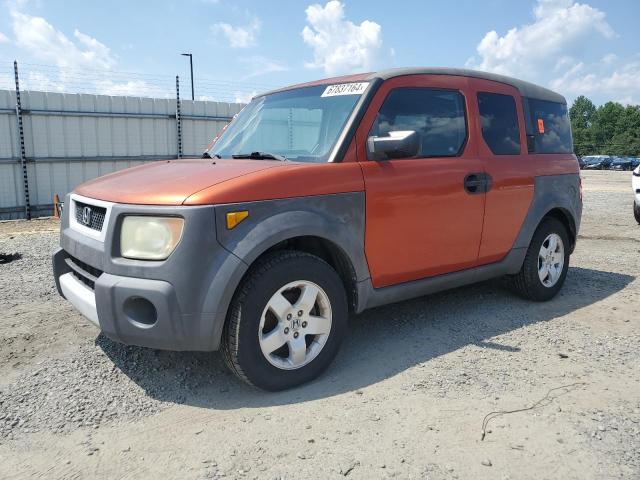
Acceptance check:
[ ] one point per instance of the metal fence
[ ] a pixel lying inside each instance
(67, 139)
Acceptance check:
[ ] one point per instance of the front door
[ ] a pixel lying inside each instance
(425, 213)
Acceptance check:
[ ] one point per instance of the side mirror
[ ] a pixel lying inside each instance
(399, 144)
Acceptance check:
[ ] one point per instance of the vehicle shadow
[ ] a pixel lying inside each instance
(382, 342)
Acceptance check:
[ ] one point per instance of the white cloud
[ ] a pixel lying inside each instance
(61, 81)
(339, 45)
(244, 97)
(554, 49)
(239, 37)
(3, 38)
(561, 28)
(611, 80)
(133, 88)
(84, 64)
(260, 65)
(41, 40)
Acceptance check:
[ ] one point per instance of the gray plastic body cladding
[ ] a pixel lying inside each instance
(60, 267)
(550, 192)
(375, 297)
(186, 288)
(337, 218)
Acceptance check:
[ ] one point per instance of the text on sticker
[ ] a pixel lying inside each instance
(345, 89)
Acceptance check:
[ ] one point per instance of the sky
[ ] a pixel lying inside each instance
(242, 47)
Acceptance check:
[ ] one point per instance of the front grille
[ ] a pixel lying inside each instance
(90, 216)
(84, 272)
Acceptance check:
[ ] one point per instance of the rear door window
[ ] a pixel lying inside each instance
(499, 121)
(438, 116)
(548, 126)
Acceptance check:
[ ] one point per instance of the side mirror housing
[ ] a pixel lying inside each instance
(399, 144)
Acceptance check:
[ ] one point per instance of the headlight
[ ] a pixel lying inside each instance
(150, 238)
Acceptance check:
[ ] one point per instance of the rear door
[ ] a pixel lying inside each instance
(421, 219)
(502, 148)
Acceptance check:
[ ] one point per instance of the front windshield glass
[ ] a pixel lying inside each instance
(301, 125)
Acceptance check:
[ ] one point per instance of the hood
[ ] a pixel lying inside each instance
(168, 182)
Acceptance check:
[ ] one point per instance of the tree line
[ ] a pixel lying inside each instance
(610, 129)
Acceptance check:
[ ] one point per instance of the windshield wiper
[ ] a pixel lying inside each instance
(261, 156)
(206, 155)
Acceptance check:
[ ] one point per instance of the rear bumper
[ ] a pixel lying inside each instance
(176, 304)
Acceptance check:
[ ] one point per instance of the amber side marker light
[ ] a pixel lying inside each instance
(234, 218)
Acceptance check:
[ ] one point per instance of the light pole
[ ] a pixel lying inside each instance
(193, 97)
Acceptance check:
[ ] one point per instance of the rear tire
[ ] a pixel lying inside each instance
(546, 263)
(286, 321)
(636, 211)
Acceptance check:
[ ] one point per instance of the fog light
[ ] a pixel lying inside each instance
(140, 312)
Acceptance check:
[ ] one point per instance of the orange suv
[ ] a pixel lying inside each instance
(323, 199)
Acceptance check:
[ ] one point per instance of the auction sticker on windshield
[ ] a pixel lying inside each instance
(345, 89)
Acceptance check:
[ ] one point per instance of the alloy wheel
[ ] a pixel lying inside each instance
(295, 325)
(551, 260)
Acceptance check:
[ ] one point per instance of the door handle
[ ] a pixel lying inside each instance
(476, 183)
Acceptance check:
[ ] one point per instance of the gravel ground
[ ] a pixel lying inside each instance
(405, 398)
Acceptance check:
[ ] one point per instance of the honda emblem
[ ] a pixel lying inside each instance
(86, 215)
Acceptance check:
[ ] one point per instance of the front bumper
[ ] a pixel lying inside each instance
(176, 304)
(80, 296)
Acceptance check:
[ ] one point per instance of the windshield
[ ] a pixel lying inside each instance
(301, 125)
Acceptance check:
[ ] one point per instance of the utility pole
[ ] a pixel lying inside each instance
(193, 97)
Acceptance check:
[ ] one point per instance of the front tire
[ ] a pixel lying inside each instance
(546, 263)
(286, 321)
(636, 211)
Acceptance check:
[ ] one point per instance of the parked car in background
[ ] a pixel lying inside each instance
(635, 183)
(622, 163)
(325, 199)
(596, 162)
(635, 162)
(580, 162)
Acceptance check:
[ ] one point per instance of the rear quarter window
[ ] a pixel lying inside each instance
(548, 126)
(499, 121)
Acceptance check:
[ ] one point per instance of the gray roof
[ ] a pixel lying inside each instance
(526, 89)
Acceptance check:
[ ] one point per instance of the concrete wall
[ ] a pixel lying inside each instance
(71, 138)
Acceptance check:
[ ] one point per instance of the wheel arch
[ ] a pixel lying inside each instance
(320, 246)
(564, 217)
(556, 196)
(330, 227)
(328, 251)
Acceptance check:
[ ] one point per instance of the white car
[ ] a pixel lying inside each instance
(635, 182)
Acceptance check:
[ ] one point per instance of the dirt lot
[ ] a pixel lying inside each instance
(405, 398)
